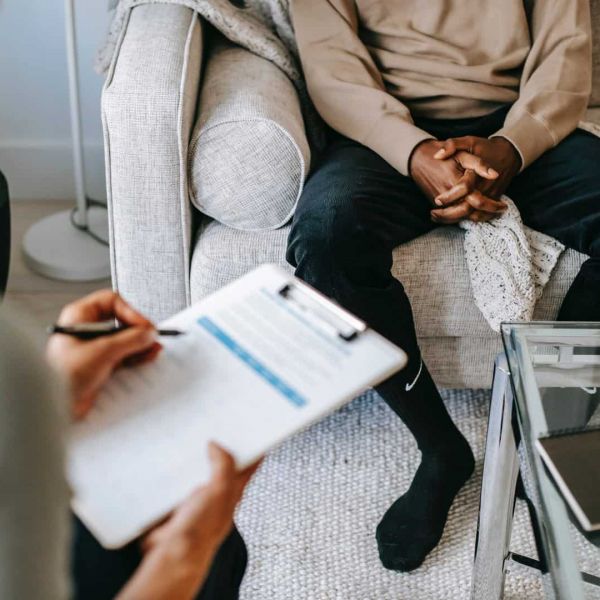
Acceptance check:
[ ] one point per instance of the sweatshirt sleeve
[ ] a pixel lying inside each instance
(346, 85)
(556, 80)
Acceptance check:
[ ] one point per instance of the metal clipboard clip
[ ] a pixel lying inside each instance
(332, 318)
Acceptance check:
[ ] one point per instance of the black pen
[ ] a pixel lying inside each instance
(90, 331)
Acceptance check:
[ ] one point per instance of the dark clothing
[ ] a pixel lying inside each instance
(99, 574)
(4, 234)
(559, 194)
(356, 208)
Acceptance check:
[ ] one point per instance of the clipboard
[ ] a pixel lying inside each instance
(262, 359)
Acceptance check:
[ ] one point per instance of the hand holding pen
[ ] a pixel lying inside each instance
(87, 363)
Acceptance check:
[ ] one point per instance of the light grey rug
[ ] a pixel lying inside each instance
(310, 514)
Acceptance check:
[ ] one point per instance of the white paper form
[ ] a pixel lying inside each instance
(253, 368)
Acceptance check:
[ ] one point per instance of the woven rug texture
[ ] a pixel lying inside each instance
(309, 515)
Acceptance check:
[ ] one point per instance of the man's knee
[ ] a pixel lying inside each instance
(321, 233)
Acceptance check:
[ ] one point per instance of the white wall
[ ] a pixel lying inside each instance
(35, 142)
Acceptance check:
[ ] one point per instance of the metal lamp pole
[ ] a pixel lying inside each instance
(67, 245)
(75, 106)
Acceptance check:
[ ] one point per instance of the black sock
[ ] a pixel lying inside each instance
(414, 524)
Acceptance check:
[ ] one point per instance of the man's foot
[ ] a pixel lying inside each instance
(412, 527)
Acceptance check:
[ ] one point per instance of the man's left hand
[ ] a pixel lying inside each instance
(496, 152)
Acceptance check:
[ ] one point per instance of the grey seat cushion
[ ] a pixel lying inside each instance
(593, 115)
(249, 155)
(458, 344)
(432, 269)
(434, 273)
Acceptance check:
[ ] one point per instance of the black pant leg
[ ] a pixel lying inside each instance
(355, 209)
(99, 574)
(559, 194)
(4, 234)
(227, 572)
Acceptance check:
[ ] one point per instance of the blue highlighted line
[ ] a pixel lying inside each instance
(285, 390)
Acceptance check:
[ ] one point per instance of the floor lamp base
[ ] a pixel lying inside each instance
(53, 247)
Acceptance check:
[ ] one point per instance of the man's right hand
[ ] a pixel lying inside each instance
(436, 177)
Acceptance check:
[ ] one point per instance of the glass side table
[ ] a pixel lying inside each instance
(550, 375)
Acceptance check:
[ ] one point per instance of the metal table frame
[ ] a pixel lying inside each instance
(505, 458)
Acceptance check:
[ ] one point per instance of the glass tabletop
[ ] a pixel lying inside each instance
(555, 371)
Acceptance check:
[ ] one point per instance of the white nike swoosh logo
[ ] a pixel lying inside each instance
(410, 386)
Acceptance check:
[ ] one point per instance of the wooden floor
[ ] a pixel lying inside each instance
(38, 298)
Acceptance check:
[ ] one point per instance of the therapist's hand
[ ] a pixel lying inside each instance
(87, 364)
(178, 553)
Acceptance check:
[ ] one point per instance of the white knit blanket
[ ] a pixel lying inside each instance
(509, 264)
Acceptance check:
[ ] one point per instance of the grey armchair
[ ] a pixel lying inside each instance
(166, 254)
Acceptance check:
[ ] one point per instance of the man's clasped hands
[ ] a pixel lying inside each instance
(465, 177)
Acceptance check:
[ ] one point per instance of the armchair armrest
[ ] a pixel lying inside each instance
(148, 105)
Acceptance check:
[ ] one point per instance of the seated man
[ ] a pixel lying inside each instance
(438, 108)
(195, 553)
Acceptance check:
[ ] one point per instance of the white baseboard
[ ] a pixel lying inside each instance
(43, 170)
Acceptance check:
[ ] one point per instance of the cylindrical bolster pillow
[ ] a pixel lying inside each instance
(249, 155)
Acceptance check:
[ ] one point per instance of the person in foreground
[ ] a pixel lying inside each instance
(437, 109)
(194, 553)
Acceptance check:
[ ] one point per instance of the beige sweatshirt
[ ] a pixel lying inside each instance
(371, 64)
